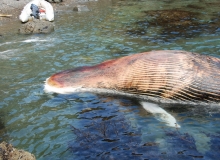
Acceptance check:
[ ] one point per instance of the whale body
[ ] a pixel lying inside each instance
(166, 75)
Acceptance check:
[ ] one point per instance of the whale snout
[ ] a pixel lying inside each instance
(54, 84)
(60, 83)
(51, 85)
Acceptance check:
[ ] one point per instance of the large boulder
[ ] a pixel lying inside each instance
(36, 26)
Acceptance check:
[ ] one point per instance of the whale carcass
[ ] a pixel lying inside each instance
(162, 76)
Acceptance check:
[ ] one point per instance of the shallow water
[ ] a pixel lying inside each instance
(87, 125)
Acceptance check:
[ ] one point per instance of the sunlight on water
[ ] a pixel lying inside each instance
(63, 127)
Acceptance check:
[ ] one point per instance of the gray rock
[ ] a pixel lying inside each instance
(36, 26)
(81, 8)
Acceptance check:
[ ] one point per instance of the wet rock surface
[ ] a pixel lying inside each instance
(8, 152)
(36, 26)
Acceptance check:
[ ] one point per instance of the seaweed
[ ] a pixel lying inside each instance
(172, 24)
(101, 134)
(109, 139)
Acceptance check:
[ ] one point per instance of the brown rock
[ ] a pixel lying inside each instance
(8, 152)
(36, 26)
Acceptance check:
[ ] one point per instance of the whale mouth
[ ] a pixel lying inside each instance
(51, 88)
(48, 88)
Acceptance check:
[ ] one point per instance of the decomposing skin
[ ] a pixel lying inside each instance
(171, 76)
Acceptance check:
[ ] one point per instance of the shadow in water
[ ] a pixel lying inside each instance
(214, 146)
(104, 132)
(114, 140)
(182, 145)
(2, 126)
(110, 138)
(2, 129)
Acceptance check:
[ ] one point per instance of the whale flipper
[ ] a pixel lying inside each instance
(160, 114)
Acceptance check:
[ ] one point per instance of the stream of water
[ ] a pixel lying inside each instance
(91, 126)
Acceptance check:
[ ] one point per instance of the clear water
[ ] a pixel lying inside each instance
(87, 125)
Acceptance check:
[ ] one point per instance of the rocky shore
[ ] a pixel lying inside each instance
(8, 152)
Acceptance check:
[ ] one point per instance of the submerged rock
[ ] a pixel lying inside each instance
(81, 8)
(36, 26)
(8, 152)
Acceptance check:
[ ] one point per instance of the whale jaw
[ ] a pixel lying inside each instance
(50, 88)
